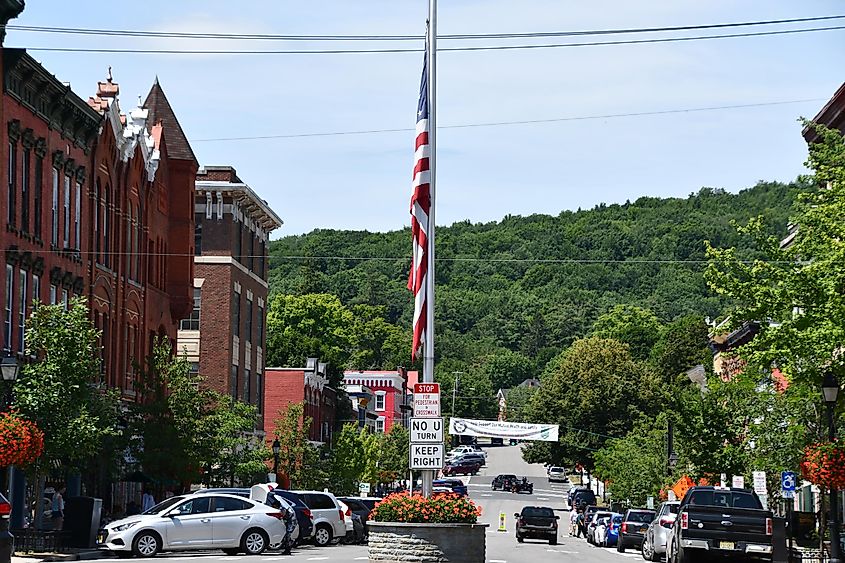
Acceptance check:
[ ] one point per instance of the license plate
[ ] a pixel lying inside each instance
(726, 545)
(101, 538)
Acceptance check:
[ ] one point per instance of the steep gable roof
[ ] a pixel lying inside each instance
(178, 147)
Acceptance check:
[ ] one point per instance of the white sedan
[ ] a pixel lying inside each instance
(212, 521)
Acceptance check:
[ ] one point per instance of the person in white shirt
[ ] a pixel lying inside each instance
(147, 501)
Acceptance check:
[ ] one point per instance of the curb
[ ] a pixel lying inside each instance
(52, 557)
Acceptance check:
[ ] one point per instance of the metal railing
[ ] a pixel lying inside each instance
(29, 540)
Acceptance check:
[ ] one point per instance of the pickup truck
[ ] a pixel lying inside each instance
(720, 522)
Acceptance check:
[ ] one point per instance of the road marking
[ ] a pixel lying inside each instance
(486, 495)
(316, 558)
(498, 561)
(361, 558)
(238, 558)
(542, 498)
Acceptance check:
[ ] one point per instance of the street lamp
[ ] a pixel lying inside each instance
(276, 447)
(830, 392)
(10, 368)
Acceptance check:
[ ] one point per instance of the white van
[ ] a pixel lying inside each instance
(327, 514)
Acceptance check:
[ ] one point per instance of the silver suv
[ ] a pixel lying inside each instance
(327, 514)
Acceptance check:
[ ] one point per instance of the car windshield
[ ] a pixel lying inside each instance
(673, 508)
(163, 505)
(640, 517)
(724, 499)
(537, 512)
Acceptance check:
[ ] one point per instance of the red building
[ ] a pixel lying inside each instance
(307, 385)
(48, 137)
(224, 337)
(390, 390)
(140, 222)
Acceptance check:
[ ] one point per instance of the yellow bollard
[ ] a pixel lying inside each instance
(502, 527)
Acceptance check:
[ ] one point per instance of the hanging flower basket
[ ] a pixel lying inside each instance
(824, 464)
(21, 442)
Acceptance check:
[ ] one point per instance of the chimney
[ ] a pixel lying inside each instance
(109, 88)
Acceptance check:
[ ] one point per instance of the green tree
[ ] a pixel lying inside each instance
(506, 369)
(60, 391)
(637, 327)
(519, 402)
(348, 462)
(375, 342)
(593, 391)
(682, 345)
(795, 290)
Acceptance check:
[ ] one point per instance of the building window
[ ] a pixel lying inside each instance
(77, 210)
(36, 197)
(7, 319)
(233, 382)
(380, 425)
(22, 299)
(136, 249)
(193, 321)
(197, 238)
(106, 223)
(54, 294)
(66, 216)
(251, 251)
(127, 244)
(248, 329)
(65, 298)
(260, 340)
(13, 181)
(262, 249)
(236, 315)
(380, 401)
(25, 191)
(259, 392)
(194, 368)
(239, 234)
(54, 214)
(96, 221)
(36, 287)
(247, 386)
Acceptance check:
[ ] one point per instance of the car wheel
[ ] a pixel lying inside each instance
(322, 536)
(519, 538)
(254, 542)
(146, 544)
(553, 540)
(646, 550)
(231, 551)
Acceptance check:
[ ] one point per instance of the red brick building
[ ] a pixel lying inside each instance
(140, 224)
(48, 137)
(307, 385)
(390, 389)
(224, 336)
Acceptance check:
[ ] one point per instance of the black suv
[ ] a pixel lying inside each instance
(502, 482)
(633, 529)
(582, 496)
(536, 522)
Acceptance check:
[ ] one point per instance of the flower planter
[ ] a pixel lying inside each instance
(398, 542)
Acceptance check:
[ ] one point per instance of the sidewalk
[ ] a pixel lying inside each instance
(74, 555)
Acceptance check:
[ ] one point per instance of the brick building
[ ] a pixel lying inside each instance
(391, 391)
(140, 225)
(48, 137)
(307, 385)
(224, 336)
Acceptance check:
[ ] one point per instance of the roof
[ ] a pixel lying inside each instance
(831, 115)
(178, 147)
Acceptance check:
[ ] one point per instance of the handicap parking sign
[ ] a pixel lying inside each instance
(787, 483)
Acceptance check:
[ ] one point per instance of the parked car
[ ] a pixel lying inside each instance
(634, 526)
(536, 522)
(611, 535)
(502, 481)
(556, 474)
(521, 486)
(304, 517)
(211, 521)
(455, 485)
(462, 467)
(468, 449)
(5, 537)
(582, 496)
(362, 511)
(328, 516)
(472, 456)
(721, 522)
(654, 542)
(593, 522)
(600, 530)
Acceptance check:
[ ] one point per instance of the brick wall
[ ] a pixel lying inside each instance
(215, 318)
(282, 387)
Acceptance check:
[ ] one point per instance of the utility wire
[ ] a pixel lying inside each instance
(501, 123)
(463, 36)
(413, 50)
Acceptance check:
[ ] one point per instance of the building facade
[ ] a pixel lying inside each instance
(224, 336)
(309, 386)
(390, 390)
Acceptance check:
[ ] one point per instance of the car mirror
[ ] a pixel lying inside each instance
(171, 514)
(516, 514)
(557, 517)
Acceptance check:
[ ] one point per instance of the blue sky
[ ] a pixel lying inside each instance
(484, 173)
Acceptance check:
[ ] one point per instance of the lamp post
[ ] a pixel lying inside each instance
(276, 447)
(10, 368)
(830, 392)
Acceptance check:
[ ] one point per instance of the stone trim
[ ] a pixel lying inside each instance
(397, 542)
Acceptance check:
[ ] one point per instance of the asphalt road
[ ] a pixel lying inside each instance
(502, 547)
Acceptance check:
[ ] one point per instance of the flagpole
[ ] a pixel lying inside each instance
(428, 351)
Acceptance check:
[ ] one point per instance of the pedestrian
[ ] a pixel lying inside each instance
(573, 521)
(147, 501)
(58, 509)
(582, 525)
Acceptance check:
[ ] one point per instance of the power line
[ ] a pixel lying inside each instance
(501, 123)
(413, 50)
(464, 36)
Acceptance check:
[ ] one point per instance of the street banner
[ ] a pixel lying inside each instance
(501, 429)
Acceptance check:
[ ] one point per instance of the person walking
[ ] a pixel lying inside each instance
(58, 509)
(582, 525)
(289, 515)
(147, 501)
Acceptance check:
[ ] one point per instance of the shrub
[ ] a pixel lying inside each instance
(440, 508)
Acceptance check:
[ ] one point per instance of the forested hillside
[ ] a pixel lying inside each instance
(519, 291)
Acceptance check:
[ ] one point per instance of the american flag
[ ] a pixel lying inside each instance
(420, 207)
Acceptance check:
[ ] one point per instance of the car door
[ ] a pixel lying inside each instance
(231, 517)
(189, 525)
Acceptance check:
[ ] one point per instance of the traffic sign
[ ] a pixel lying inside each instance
(363, 489)
(426, 400)
(787, 483)
(739, 482)
(427, 430)
(426, 456)
(760, 482)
